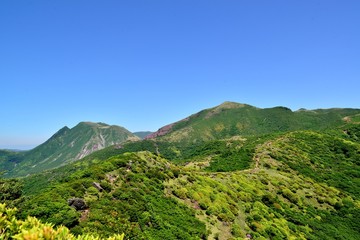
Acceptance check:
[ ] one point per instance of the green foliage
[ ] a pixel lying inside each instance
(352, 132)
(323, 158)
(32, 229)
(232, 159)
(133, 202)
(232, 119)
(273, 204)
(11, 191)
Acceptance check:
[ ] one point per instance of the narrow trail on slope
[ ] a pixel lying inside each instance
(261, 151)
(84, 215)
(156, 148)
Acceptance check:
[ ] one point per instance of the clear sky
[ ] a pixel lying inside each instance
(143, 64)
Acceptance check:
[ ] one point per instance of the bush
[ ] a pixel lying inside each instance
(32, 228)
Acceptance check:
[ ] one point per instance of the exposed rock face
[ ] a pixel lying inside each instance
(97, 186)
(77, 203)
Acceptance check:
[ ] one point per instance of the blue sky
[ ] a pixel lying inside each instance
(144, 64)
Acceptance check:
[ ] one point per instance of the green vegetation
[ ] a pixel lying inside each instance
(11, 191)
(32, 228)
(232, 119)
(323, 158)
(131, 200)
(146, 196)
(352, 132)
(230, 172)
(268, 205)
(274, 201)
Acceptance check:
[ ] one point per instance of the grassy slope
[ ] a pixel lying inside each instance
(285, 190)
(289, 193)
(231, 119)
(132, 202)
(324, 158)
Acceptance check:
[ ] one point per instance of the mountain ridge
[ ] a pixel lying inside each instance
(231, 118)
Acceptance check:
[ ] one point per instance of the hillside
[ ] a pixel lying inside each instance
(282, 189)
(231, 119)
(65, 146)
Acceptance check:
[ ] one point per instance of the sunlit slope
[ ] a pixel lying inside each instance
(297, 185)
(231, 119)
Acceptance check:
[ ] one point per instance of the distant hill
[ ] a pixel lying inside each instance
(142, 134)
(8, 158)
(65, 146)
(231, 119)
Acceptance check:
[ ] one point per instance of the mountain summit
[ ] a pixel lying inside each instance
(68, 145)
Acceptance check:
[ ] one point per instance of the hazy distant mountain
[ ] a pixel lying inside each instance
(8, 158)
(231, 119)
(67, 145)
(142, 134)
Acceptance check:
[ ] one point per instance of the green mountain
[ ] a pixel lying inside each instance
(231, 119)
(65, 146)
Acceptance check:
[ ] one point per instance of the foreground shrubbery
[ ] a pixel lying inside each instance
(132, 200)
(33, 229)
(324, 158)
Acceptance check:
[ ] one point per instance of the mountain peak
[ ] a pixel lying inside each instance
(229, 105)
(226, 103)
(61, 132)
(93, 124)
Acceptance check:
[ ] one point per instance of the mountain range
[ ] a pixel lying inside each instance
(224, 121)
(230, 172)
